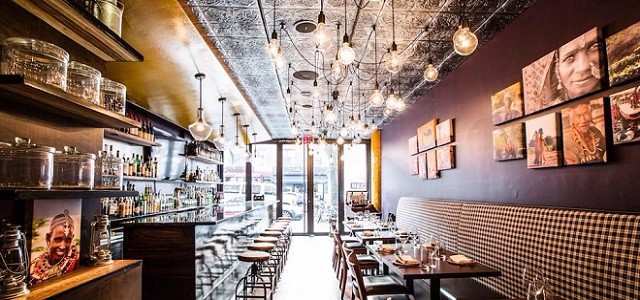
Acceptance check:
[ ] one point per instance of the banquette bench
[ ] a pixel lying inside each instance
(584, 254)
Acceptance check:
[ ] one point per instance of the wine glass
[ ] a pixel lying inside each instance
(536, 285)
(403, 237)
(414, 236)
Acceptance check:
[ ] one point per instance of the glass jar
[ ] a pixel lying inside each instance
(109, 12)
(108, 173)
(37, 60)
(83, 81)
(25, 165)
(73, 170)
(113, 95)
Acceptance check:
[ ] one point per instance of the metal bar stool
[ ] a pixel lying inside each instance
(265, 247)
(245, 289)
(279, 251)
(275, 257)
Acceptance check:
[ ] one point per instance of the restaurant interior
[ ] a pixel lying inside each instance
(319, 149)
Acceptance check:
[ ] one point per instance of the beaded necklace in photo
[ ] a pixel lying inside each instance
(587, 153)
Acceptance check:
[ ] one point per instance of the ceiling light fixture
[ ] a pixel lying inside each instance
(464, 40)
(394, 61)
(200, 130)
(321, 34)
(237, 145)
(274, 46)
(346, 55)
(220, 139)
(376, 99)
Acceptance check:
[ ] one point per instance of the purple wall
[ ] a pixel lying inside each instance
(465, 95)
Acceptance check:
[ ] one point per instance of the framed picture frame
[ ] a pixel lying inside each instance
(432, 165)
(543, 141)
(508, 142)
(625, 116)
(444, 132)
(623, 55)
(445, 157)
(427, 135)
(357, 198)
(413, 145)
(422, 165)
(413, 165)
(507, 104)
(584, 138)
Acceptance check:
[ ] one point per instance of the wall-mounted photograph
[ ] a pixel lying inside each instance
(445, 157)
(507, 104)
(543, 137)
(422, 165)
(427, 135)
(55, 238)
(432, 165)
(623, 54)
(413, 145)
(508, 142)
(573, 70)
(625, 116)
(413, 165)
(583, 134)
(444, 132)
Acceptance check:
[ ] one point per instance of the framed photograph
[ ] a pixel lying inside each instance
(413, 145)
(507, 104)
(357, 198)
(508, 142)
(444, 132)
(623, 54)
(422, 165)
(543, 139)
(583, 134)
(413, 165)
(432, 165)
(625, 116)
(554, 78)
(55, 238)
(445, 157)
(427, 135)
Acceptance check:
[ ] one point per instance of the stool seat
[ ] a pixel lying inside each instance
(271, 233)
(254, 256)
(275, 229)
(261, 246)
(266, 239)
(284, 218)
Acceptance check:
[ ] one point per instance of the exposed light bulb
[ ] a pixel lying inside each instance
(430, 73)
(376, 99)
(314, 129)
(340, 140)
(274, 48)
(344, 131)
(373, 126)
(321, 35)
(387, 111)
(310, 152)
(331, 117)
(337, 70)
(315, 91)
(392, 101)
(346, 55)
(464, 41)
(400, 105)
(298, 141)
(394, 62)
(357, 140)
(287, 96)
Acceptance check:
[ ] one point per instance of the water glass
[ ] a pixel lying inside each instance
(433, 257)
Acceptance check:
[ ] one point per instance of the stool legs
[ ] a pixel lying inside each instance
(245, 289)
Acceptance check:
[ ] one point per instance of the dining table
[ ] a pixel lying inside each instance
(444, 269)
(355, 226)
(369, 236)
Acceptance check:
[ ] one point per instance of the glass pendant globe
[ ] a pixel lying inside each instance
(273, 48)
(392, 101)
(344, 131)
(387, 111)
(394, 62)
(346, 55)
(340, 140)
(337, 70)
(200, 130)
(321, 36)
(400, 105)
(464, 41)
(376, 99)
(331, 117)
(430, 73)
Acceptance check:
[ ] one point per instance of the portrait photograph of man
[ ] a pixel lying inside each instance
(583, 134)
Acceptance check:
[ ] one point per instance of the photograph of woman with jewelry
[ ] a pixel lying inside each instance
(583, 133)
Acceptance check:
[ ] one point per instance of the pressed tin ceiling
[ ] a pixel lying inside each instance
(240, 30)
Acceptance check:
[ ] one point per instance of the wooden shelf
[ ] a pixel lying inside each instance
(23, 194)
(115, 219)
(71, 19)
(203, 159)
(129, 138)
(77, 278)
(138, 178)
(24, 91)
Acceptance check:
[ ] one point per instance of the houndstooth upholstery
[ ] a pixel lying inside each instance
(431, 217)
(584, 254)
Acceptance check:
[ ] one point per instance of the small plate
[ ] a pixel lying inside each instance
(409, 264)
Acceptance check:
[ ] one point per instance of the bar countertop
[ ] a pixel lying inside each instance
(202, 216)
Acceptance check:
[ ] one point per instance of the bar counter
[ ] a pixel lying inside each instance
(190, 255)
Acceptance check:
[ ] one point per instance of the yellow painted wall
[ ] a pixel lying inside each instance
(376, 163)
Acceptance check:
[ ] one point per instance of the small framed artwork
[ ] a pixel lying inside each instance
(507, 104)
(422, 165)
(413, 165)
(623, 54)
(413, 145)
(445, 157)
(551, 80)
(508, 142)
(625, 116)
(444, 132)
(55, 238)
(427, 135)
(543, 137)
(583, 134)
(432, 165)
(357, 198)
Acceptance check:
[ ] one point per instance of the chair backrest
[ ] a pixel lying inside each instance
(356, 273)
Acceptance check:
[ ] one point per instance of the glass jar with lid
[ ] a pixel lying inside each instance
(113, 95)
(37, 60)
(84, 81)
(25, 165)
(73, 170)
(108, 172)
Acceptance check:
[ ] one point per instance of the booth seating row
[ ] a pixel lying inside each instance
(584, 254)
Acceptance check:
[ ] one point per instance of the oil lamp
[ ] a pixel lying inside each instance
(100, 249)
(15, 262)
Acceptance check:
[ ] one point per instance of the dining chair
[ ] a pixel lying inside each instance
(365, 286)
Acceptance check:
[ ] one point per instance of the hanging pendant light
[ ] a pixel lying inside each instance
(376, 99)
(392, 101)
(331, 116)
(340, 140)
(274, 45)
(395, 60)
(321, 34)
(220, 140)
(373, 126)
(430, 72)
(200, 130)
(464, 40)
(346, 55)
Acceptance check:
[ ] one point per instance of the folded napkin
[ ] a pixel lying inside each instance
(356, 225)
(407, 259)
(460, 259)
(386, 248)
(367, 233)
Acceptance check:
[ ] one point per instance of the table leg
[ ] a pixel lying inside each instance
(434, 288)
(410, 286)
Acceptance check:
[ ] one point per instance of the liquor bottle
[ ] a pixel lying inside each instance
(138, 165)
(155, 167)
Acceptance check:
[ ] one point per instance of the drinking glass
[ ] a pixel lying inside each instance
(433, 257)
(536, 285)
(414, 236)
(403, 240)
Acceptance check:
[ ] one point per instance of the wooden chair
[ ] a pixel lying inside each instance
(365, 286)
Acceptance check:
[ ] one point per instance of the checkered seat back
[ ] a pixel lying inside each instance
(431, 217)
(584, 254)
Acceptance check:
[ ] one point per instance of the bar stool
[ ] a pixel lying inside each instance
(247, 284)
(276, 257)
